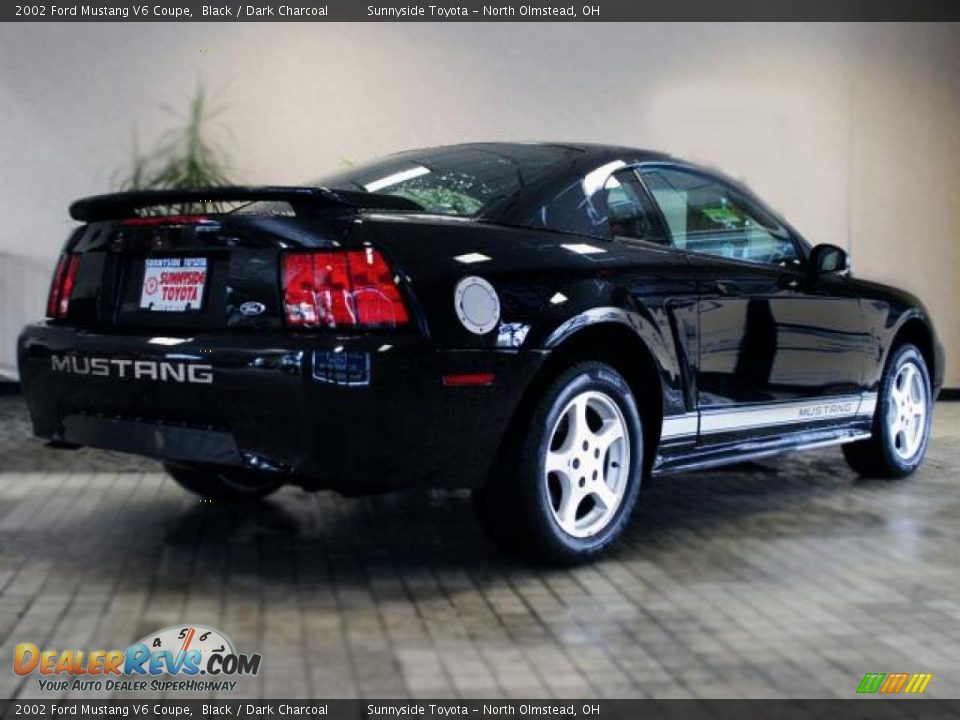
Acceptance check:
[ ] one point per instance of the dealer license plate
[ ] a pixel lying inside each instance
(173, 284)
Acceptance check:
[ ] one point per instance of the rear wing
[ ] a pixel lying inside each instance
(303, 200)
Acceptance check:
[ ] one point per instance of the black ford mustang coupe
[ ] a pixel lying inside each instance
(547, 324)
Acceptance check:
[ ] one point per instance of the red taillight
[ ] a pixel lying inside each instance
(54, 297)
(333, 289)
(64, 278)
(376, 295)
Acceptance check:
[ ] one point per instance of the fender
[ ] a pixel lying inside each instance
(642, 327)
(667, 353)
(885, 344)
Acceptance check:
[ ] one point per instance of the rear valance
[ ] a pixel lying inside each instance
(303, 200)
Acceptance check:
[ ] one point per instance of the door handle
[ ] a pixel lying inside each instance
(788, 282)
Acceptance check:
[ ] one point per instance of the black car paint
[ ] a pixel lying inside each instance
(369, 411)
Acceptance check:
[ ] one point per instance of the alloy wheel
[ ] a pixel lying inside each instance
(587, 464)
(907, 410)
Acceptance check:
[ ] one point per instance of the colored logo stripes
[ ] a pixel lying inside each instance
(894, 683)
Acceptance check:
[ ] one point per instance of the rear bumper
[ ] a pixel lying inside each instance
(356, 414)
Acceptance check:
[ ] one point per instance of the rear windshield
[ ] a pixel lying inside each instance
(459, 180)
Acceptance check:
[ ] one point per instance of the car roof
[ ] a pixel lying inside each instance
(555, 200)
(531, 201)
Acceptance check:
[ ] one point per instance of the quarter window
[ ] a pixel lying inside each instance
(707, 216)
(629, 210)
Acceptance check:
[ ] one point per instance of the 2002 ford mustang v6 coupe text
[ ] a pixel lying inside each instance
(549, 325)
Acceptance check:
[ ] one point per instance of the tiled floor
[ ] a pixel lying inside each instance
(788, 578)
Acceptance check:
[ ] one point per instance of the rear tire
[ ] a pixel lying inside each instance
(223, 485)
(566, 485)
(901, 423)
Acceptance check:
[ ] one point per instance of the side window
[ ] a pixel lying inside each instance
(707, 216)
(629, 210)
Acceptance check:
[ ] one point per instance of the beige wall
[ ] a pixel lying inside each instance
(853, 131)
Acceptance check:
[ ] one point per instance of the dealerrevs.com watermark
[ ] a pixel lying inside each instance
(181, 658)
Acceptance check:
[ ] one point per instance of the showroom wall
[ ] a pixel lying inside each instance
(853, 131)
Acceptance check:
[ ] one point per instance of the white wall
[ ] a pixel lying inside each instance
(853, 131)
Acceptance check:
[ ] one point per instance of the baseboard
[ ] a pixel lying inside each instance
(949, 394)
(9, 387)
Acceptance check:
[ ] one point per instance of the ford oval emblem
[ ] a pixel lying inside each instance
(252, 308)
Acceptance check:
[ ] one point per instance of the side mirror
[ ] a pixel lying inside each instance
(829, 260)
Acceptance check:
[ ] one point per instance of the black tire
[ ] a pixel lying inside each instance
(877, 456)
(517, 507)
(223, 485)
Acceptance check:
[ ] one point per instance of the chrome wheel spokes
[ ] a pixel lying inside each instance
(587, 464)
(907, 411)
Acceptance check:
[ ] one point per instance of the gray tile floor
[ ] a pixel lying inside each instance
(788, 578)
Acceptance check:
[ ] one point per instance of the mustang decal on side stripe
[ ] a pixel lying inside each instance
(768, 414)
(827, 410)
(161, 371)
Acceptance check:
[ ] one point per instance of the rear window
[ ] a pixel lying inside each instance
(460, 180)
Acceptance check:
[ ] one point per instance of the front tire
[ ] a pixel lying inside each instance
(565, 487)
(901, 425)
(223, 485)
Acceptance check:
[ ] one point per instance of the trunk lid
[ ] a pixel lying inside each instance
(210, 260)
(221, 273)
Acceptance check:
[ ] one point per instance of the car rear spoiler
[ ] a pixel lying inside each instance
(303, 200)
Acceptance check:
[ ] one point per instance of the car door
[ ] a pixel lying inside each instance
(779, 349)
(660, 281)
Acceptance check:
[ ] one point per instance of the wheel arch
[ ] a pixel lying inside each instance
(915, 331)
(618, 345)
